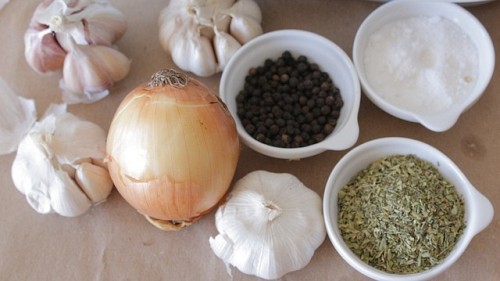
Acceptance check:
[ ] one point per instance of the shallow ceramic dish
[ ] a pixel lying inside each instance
(331, 59)
(395, 10)
(478, 209)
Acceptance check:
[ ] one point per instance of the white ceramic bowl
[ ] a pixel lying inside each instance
(331, 59)
(395, 10)
(478, 209)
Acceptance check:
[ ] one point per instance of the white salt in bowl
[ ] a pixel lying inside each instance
(478, 209)
(330, 58)
(387, 14)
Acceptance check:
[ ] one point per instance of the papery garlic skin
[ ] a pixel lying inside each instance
(49, 158)
(58, 32)
(201, 36)
(270, 225)
(3, 3)
(17, 116)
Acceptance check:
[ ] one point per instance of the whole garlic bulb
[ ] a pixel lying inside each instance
(270, 225)
(202, 35)
(60, 28)
(59, 164)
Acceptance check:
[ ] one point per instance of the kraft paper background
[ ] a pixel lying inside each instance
(114, 242)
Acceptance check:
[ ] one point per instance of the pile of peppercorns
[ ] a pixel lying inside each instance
(289, 102)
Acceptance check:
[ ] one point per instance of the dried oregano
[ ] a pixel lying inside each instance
(400, 215)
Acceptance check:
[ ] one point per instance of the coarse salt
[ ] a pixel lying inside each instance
(421, 64)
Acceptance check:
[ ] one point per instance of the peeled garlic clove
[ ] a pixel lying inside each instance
(17, 116)
(225, 46)
(42, 52)
(90, 70)
(94, 181)
(270, 225)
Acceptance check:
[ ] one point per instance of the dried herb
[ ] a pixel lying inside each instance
(401, 215)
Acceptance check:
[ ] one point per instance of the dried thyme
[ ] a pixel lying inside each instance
(400, 215)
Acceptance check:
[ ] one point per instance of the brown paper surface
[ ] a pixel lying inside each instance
(114, 242)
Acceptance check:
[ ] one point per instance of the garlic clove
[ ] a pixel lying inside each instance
(97, 24)
(225, 46)
(246, 18)
(195, 55)
(116, 64)
(245, 29)
(42, 52)
(270, 225)
(17, 116)
(90, 70)
(67, 199)
(246, 8)
(94, 181)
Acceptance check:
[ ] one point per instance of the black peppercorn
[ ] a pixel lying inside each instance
(289, 102)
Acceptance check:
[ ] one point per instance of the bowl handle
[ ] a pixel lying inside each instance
(440, 122)
(346, 137)
(482, 211)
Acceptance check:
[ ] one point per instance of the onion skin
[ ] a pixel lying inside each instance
(172, 152)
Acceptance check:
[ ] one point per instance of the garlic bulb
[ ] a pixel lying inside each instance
(62, 31)
(270, 225)
(201, 36)
(17, 116)
(172, 150)
(58, 166)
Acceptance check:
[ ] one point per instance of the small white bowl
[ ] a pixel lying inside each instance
(478, 209)
(331, 59)
(396, 10)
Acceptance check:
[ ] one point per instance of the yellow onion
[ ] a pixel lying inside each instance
(172, 149)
